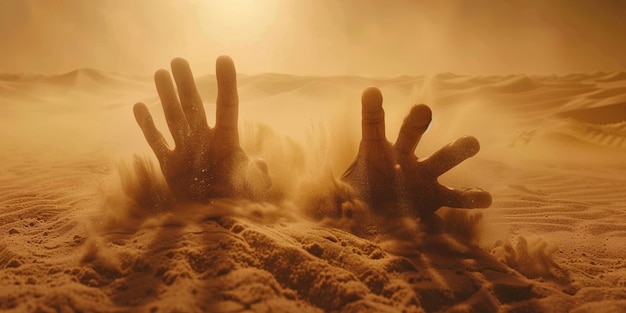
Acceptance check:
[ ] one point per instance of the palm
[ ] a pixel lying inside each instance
(392, 180)
(206, 162)
(204, 167)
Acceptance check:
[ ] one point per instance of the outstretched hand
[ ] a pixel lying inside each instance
(205, 162)
(393, 181)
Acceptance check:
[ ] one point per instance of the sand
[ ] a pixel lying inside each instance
(553, 151)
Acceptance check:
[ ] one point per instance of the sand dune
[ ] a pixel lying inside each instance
(613, 77)
(553, 151)
(608, 114)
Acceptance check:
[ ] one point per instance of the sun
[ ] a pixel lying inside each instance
(237, 21)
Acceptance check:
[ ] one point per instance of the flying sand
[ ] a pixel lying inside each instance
(209, 163)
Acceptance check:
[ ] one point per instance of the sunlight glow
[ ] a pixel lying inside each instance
(237, 22)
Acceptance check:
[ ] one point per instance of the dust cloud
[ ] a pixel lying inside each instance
(319, 38)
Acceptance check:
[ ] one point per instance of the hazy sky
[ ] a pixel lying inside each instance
(321, 37)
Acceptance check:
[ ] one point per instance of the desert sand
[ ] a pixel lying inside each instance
(552, 157)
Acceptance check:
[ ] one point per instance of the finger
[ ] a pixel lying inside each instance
(451, 155)
(469, 198)
(413, 127)
(153, 136)
(227, 100)
(372, 115)
(171, 107)
(189, 96)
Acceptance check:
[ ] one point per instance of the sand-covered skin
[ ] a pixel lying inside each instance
(553, 151)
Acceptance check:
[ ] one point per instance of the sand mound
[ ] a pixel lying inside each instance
(195, 261)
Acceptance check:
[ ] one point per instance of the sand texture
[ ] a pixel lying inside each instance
(553, 156)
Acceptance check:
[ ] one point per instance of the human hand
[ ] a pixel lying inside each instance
(393, 181)
(205, 162)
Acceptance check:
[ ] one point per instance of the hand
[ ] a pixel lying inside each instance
(393, 181)
(205, 162)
